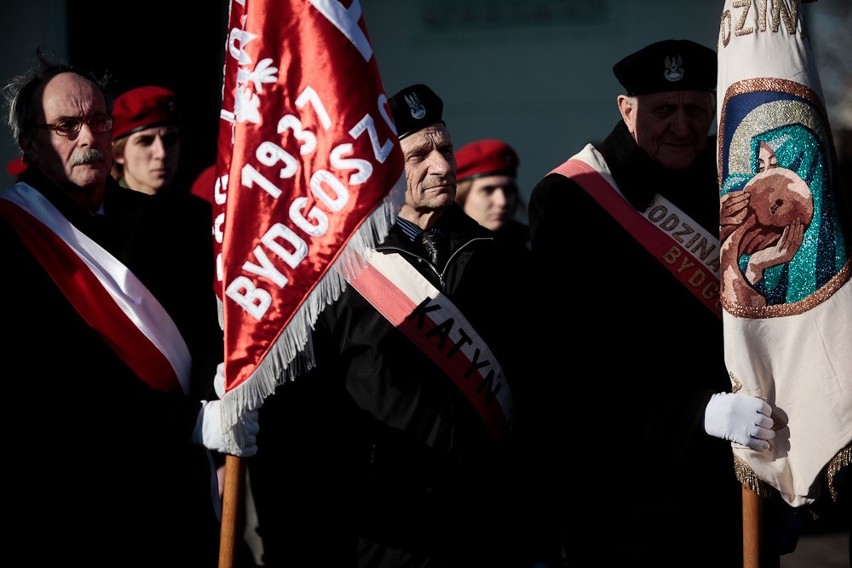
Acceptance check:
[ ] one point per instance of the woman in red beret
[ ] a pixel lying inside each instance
(487, 190)
(146, 139)
(146, 147)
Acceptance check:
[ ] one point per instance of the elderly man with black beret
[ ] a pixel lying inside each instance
(402, 446)
(625, 242)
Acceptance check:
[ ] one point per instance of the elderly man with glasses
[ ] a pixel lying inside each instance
(111, 329)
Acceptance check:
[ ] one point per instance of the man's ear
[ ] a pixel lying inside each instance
(627, 108)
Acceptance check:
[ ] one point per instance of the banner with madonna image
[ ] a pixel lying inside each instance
(785, 249)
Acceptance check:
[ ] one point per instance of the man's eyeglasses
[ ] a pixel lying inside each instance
(71, 126)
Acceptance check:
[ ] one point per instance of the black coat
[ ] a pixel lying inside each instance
(636, 357)
(100, 467)
(375, 453)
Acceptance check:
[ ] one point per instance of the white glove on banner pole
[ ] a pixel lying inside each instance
(239, 440)
(739, 418)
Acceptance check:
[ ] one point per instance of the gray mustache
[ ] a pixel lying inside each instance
(87, 156)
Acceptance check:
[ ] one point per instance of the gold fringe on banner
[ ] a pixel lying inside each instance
(841, 460)
(749, 478)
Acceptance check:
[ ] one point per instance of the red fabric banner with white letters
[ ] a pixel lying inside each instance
(309, 176)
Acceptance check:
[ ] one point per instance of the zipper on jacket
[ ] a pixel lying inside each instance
(424, 260)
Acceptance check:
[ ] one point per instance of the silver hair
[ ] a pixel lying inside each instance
(19, 93)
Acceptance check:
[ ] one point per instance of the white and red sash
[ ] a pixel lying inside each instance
(104, 292)
(435, 325)
(683, 246)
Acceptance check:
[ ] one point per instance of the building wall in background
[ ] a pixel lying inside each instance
(179, 45)
(536, 73)
(24, 25)
(176, 44)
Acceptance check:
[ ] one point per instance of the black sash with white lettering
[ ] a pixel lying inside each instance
(433, 323)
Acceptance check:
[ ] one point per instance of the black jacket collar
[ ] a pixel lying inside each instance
(695, 190)
(454, 223)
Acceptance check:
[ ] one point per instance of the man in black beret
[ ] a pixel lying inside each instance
(669, 103)
(414, 461)
(431, 177)
(668, 65)
(625, 242)
(415, 108)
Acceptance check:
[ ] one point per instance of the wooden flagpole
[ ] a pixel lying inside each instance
(231, 502)
(752, 528)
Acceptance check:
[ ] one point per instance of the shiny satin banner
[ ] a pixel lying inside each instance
(309, 175)
(785, 258)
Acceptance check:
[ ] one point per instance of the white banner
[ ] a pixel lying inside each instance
(786, 290)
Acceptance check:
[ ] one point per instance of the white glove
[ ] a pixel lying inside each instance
(239, 440)
(740, 418)
(219, 380)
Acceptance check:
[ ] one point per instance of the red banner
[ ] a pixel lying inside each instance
(309, 175)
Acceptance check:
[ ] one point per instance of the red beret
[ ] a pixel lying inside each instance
(142, 108)
(16, 167)
(484, 158)
(205, 183)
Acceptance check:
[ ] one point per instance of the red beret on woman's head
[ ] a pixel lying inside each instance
(484, 158)
(143, 107)
(16, 167)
